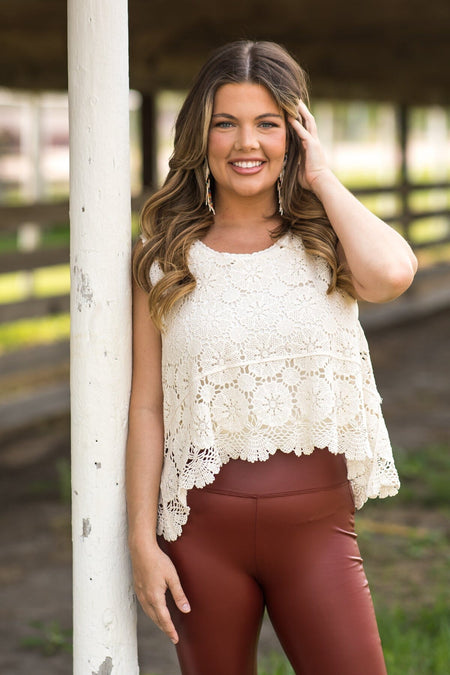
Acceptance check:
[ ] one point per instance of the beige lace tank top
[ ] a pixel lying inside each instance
(258, 358)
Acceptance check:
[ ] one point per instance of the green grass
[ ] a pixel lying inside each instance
(44, 282)
(414, 643)
(48, 638)
(56, 236)
(29, 332)
(275, 664)
(417, 642)
(428, 230)
(424, 476)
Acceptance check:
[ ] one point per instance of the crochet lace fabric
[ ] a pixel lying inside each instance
(258, 358)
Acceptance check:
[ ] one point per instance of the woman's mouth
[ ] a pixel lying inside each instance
(247, 166)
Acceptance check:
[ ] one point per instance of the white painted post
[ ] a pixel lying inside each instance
(104, 605)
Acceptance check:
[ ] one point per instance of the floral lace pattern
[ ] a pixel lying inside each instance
(259, 358)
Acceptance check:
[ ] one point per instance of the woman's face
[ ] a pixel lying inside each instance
(247, 141)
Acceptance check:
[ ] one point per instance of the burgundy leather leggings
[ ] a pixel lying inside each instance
(276, 535)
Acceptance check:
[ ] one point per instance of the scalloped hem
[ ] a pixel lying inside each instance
(364, 485)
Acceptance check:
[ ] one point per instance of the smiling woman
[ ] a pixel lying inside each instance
(246, 147)
(255, 426)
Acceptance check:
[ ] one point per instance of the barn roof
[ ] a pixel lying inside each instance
(396, 50)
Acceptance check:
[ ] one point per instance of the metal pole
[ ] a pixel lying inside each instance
(104, 604)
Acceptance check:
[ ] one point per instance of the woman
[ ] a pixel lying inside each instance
(255, 426)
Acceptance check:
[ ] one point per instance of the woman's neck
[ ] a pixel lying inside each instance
(239, 215)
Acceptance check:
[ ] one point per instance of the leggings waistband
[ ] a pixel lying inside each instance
(282, 473)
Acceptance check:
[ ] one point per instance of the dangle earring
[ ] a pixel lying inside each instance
(208, 199)
(279, 186)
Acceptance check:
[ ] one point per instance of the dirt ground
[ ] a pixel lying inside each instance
(411, 364)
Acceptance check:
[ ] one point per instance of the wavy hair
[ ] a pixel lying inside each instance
(176, 214)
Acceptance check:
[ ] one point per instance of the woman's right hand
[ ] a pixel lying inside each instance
(153, 574)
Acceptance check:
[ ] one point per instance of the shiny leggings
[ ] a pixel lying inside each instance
(276, 535)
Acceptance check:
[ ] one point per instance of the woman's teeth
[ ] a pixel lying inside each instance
(247, 165)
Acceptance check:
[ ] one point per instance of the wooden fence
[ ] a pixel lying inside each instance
(406, 216)
(34, 381)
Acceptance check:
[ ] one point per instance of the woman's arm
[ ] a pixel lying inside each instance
(153, 571)
(381, 262)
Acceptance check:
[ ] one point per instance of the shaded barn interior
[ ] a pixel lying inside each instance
(395, 50)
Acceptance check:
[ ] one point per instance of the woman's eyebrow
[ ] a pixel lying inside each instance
(232, 117)
(269, 115)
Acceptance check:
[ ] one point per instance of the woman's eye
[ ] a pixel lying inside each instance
(225, 124)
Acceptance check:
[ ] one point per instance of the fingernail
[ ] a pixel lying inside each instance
(186, 607)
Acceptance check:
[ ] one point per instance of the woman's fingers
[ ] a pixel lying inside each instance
(305, 124)
(156, 609)
(316, 162)
(309, 121)
(178, 594)
(301, 131)
(164, 621)
(155, 576)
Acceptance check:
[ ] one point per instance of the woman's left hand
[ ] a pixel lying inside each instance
(316, 163)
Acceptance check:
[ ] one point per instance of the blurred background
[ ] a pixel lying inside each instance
(380, 90)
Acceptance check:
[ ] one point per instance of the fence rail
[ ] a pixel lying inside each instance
(34, 308)
(44, 215)
(18, 261)
(407, 216)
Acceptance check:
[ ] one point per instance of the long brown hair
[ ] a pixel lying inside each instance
(176, 215)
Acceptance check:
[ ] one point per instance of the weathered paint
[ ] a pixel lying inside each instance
(84, 290)
(105, 668)
(104, 603)
(86, 529)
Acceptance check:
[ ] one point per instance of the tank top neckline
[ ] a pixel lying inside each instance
(212, 251)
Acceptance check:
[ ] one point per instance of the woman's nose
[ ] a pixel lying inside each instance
(247, 139)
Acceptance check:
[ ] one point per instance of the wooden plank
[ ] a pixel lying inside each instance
(419, 215)
(45, 215)
(409, 187)
(37, 406)
(430, 293)
(432, 242)
(34, 307)
(407, 308)
(16, 262)
(31, 445)
(42, 356)
(431, 213)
